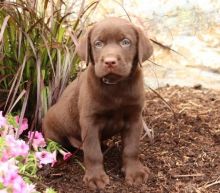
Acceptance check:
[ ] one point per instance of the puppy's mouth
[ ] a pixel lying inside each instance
(111, 79)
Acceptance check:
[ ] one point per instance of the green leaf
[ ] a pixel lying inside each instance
(30, 166)
(50, 190)
(2, 145)
(11, 120)
(53, 146)
(1, 186)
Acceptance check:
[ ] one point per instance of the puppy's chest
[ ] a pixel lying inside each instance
(114, 121)
(119, 103)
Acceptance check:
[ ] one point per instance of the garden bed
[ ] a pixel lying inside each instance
(184, 156)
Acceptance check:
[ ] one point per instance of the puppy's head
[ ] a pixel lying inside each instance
(114, 46)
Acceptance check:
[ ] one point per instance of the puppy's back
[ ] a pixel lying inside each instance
(62, 119)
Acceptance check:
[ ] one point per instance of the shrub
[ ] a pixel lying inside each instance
(37, 53)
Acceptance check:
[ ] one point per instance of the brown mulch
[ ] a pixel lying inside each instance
(184, 156)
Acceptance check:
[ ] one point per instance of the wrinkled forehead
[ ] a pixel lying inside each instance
(113, 30)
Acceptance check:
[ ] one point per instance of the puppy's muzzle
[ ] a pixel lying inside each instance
(110, 63)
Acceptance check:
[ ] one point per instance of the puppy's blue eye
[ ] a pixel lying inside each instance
(125, 42)
(99, 44)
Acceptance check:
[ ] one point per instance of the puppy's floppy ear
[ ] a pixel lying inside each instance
(84, 48)
(144, 47)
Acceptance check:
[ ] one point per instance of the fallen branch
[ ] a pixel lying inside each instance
(187, 175)
(209, 184)
(148, 131)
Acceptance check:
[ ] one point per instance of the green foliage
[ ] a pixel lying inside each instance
(53, 146)
(29, 167)
(1, 186)
(37, 52)
(11, 121)
(50, 190)
(2, 145)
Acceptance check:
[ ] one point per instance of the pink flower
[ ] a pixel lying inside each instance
(9, 173)
(30, 188)
(22, 148)
(46, 157)
(37, 139)
(14, 148)
(19, 186)
(10, 178)
(17, 147)
(3, 120)
(66, 155)
(24, 124)
(7, 168)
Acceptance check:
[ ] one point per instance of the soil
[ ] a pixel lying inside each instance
(183, 157)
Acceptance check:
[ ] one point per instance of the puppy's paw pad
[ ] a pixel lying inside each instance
(137, 175)
(96, 180)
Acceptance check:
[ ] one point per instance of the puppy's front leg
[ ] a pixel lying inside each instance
(135, 172)
(95, 176)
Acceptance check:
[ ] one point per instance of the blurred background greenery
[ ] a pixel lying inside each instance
(38, 40)
(37, 52)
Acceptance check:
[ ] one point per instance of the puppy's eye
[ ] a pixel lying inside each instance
(99, 44)
(125, 42)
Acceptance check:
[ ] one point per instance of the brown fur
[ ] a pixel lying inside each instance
(91, 109)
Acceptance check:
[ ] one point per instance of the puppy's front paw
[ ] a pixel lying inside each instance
(96, 179)
(136, 173)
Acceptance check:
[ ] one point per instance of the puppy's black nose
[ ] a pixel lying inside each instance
(110, 62)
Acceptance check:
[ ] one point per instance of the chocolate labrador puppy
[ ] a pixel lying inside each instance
(106, 99)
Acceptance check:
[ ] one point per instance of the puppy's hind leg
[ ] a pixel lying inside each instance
(75, 142)
(50, 133)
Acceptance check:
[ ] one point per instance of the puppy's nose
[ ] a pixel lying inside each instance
(110, 62)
